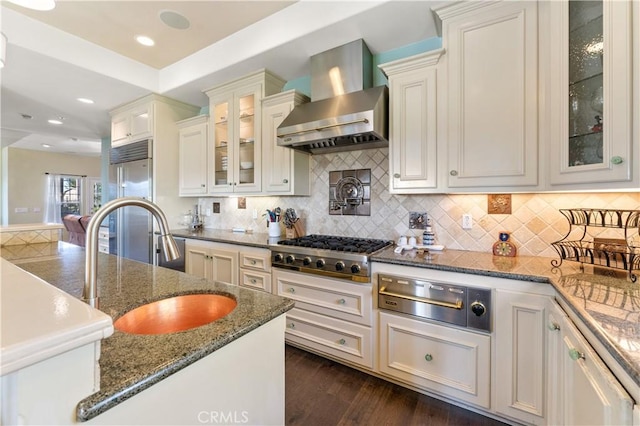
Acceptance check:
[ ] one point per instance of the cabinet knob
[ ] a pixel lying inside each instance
(342, 341)
(575, 354)
(253, 262)
(616, 160)
(428, 357)
(292, 325)
(396, 175)
(230, 183)
(553, 326)
(285, 180)
(253, 281)
(453, 173)
(342, 301)
(292, 290)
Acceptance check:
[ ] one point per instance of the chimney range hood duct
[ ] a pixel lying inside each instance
(345, 112)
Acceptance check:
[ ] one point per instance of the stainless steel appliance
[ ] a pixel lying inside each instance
(332, 256)
(345, 112)
(460, 305)
(177, 264)
(130, 175)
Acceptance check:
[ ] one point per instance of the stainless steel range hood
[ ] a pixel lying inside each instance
(345, 112)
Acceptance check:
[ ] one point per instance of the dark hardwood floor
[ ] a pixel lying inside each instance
(324, 393)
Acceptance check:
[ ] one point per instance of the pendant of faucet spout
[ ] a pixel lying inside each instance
(90, 291)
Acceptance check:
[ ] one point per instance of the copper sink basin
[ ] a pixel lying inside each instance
(174, 314)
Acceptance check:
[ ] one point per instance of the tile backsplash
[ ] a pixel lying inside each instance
(534, 222)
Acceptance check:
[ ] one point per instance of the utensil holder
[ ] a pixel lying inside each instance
(274, 229)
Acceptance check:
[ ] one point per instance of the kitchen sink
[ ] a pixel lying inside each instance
(173, 314)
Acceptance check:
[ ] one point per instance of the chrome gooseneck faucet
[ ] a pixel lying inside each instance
(90, 292)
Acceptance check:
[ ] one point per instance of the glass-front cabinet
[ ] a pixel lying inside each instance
(590, 92)
(235, 163)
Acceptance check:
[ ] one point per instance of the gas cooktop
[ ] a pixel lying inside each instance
(329, 242)
(337, 257)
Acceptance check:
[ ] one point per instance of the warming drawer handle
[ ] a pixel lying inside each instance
(456, 305)
(319, 129)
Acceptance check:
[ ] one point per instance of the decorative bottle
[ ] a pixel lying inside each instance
(428, 237)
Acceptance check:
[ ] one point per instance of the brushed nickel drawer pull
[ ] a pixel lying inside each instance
(456, 305)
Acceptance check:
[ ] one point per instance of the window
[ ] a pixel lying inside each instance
(69, 194)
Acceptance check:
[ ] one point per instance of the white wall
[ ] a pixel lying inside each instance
(26, 180)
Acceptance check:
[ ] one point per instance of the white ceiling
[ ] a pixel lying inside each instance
(86, 49)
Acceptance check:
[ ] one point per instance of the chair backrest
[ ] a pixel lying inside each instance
(75, 229)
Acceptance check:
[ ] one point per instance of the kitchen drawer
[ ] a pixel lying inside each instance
(336, 298)
(445, 360)
(340, 339)
(255, 259)
(103, 248)
(255, 279)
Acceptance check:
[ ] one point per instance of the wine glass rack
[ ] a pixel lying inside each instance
(579, 246)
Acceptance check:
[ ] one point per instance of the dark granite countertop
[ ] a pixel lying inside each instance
(131, 363)
(609, 307)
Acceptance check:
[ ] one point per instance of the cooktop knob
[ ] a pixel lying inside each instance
(278, 258)
(320, 263)
(339, 265)
(290, 258)
(355, 268)
(306, 261)
(478, 308)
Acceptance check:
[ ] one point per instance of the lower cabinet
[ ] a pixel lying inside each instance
(520, 355)
(583, 390)
(331, 317)
(213, 261)
(452, 362)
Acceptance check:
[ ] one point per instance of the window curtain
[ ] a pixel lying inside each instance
(53, 197)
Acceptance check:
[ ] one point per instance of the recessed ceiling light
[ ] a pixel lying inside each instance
(35, 4)
(54, 121)
(173, 19)
(85, 100)
(46, 145)
(145, 41)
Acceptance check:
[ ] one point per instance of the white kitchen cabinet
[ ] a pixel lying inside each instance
(449, 361)
(285, 171)
(235, 134)
(331, 317)
(413, 123)
(592, 395)
(255, 268)
(192, 167)
(590, 95)
(555, 381)
(490, 82)
(133, 124)
(520, 355)
(213, 261)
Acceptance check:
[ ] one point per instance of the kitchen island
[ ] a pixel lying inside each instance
(131, 364)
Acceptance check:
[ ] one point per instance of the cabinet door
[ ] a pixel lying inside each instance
(590, 92)
(221, 154)
(555, 373)
(277, 159)
(141, 122)
(412, 150)
(247, 160)
(193, 160)
(224, 266)
(119, 129)
(520, 329)
(492, 92)
(197, 261)
(592, 394)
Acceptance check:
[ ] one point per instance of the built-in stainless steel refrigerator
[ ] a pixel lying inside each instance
(130, 175)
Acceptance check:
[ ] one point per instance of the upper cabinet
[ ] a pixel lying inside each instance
(412, 121)
(235, 133)
(285, 171)
(132, 124)
(490, 85)
(590, 94)
(192, 169)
